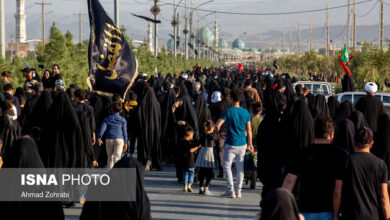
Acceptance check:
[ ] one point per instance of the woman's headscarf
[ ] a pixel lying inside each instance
(187, 113)
(320, 107)
(358, 119)
(280, 204)
(333, 104)
(300, 126)
(202, 111)
(344, 110)
(344, 137)
(39, 113)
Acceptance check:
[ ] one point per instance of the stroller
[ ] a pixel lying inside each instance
(250, 168)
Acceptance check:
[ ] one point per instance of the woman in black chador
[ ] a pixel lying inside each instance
(149, 145)
(24, 154)
(168, 139)
(381, 146)
(62, 144)
(135, 210)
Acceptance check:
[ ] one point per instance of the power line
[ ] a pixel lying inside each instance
(272, 13)
(369, 11)
(343, 29)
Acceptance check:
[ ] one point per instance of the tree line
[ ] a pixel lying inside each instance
(371, 64)
(73, 59)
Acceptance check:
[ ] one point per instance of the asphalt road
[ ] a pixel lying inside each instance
(168, 201)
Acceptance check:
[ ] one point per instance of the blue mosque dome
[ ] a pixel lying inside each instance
(223, 44)
(238, 44)
(205, 36)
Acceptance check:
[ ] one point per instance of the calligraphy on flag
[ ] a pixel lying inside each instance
(112, 64)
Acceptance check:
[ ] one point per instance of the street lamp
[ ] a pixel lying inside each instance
(174, 23)
(192, 36)
(155, 10)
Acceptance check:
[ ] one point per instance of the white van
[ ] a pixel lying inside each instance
(317, 87)
(355, 96)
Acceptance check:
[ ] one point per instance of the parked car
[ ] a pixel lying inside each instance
(387, 107)
(355, 96)
(317, 87)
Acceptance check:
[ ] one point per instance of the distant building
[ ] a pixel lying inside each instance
(21, 50)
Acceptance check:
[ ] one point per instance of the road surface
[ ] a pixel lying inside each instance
(168, 201)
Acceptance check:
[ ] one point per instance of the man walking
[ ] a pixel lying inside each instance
(317, 167)
(362, 192)
(238, 123)
(371, 106)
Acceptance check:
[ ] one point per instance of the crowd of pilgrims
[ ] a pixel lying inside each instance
(45, 124)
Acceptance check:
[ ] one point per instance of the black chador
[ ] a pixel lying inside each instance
(62, 136)
(24, 154)
(149, 116)
(138, 209)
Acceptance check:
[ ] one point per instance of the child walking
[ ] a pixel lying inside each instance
(116, 137)
(188, 149)
(205, 161)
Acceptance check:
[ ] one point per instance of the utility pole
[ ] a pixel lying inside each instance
(178, 28)
(116, 12)
(185, 31)
(43, 19)
(290, 42)
(216, 42)
(174, 23)
(299, 38)
(348, 23)
(327, 30)
(283, 42)
(354, 25)
(12, 46)
(2, 29)
(310, 35)
(80, 25)
(198, 41)
(192, 35)
(381, 25)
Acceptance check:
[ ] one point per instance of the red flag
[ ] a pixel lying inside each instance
(345, 68)
(240, 67)
(275, 85)
(260, 69)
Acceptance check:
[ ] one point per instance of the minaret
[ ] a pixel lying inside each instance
(150, 37)
(216, 42)
(20, 17)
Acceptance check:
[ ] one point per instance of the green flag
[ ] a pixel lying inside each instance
(345, 56)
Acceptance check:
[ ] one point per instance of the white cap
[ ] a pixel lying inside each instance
(144, 75)
(184, 76)
(216, 97)
(371, 87)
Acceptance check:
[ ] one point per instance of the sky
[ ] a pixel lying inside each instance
(230, 26)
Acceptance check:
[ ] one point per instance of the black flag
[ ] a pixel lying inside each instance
(177, 40)
(146, 18)
(112, 65)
